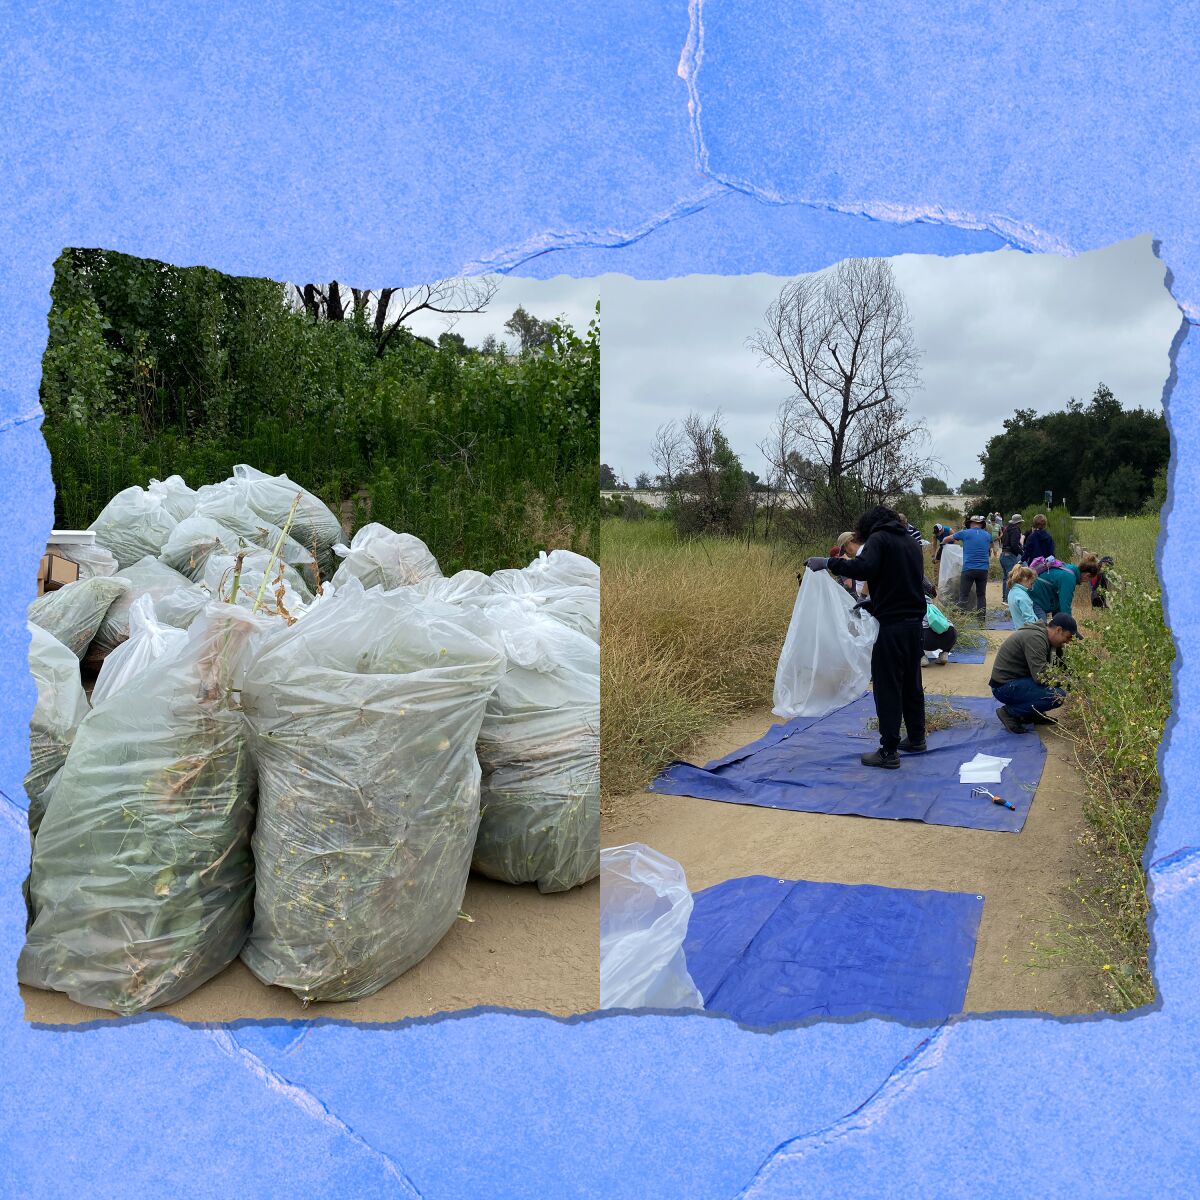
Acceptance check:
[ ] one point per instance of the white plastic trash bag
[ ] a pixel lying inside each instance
(193, 540)
(558, 569)
(178, 499)
(365, 715)
(225, 504)
(539, 748)
(314, 526)
(379, 557)
(950, 570)
(74, 613)
(132, 524)
(61, 705)
(826, 659)
(148, 641)
(564, 568)
(285, 592)
(142, 878)
(645, 906)
(92, 560)
(147, 577)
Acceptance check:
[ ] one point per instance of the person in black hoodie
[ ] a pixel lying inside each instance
(891, 564)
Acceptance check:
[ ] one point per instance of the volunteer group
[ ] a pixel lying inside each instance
(881, 561)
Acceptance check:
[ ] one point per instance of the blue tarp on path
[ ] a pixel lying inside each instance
(968, 655)
(768, 951)
(810, 764)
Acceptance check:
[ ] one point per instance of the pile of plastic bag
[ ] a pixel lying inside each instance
(288, 764)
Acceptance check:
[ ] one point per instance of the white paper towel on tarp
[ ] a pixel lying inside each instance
(983, 768)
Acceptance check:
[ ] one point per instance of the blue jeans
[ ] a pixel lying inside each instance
(1022, 696)
(1007, 562)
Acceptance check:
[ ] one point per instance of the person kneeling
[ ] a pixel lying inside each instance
(937, 632)
(1021, 663)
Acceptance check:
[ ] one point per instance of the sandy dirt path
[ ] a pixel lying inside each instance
(1023, 877)
(523, 950)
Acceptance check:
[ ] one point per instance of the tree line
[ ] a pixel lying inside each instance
(488, 455)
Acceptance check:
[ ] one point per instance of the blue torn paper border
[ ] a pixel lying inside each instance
(768, 952)
(653, 140)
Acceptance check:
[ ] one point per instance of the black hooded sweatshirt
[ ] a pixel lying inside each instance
(890, 562)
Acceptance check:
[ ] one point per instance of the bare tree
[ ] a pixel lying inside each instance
(843, 338)
(708, 491)
(387, 309)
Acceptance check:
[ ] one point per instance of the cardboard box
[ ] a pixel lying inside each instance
(55, 572)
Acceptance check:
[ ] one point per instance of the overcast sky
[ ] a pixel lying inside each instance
(998, 332)
(545, 298)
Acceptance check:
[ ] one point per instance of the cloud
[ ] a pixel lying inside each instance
(997, 332)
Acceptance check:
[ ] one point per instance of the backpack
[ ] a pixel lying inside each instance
(935, 618)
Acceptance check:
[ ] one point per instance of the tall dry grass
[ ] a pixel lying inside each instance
(690, 635)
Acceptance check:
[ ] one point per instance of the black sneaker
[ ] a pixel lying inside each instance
(1010, 721)
(878, 759)
(908, 746)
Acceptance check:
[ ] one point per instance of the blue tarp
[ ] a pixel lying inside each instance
(810, 764)
(968, 655)
(999, 618)
(767, 951)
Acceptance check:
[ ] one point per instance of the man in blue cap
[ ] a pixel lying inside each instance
(1017, 674)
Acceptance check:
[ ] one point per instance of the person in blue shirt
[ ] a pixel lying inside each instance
(1038, 542)
(1020, 602)
(977, 554)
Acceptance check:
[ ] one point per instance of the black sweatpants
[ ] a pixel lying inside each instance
(969, 580)
(896, 682)
(939, 641)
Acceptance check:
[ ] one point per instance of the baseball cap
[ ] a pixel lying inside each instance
(1018, 518)
(975, 518)
(1067, 622)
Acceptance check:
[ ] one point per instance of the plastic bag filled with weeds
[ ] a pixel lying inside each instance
(377, 556)
(74, 613)
(182, 606)
(149, 640)
(132, 524)
(193, 541)
(365, 716)
(284, 594)
(61, 705)
(539, 748)
(91, 560)
(459, 588)
(142, 876)
(576, 607)
(225, 504)
(564, 568)
(147, 577)
(178, 499)
(313, 525)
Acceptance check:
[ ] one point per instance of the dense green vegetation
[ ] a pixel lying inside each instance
(1120, 680)
(152, 370)
(1099, 458)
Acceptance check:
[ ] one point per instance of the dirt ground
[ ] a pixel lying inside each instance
(522, 950)
(1024, 878)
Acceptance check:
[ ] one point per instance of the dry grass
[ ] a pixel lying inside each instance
(690, 635)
